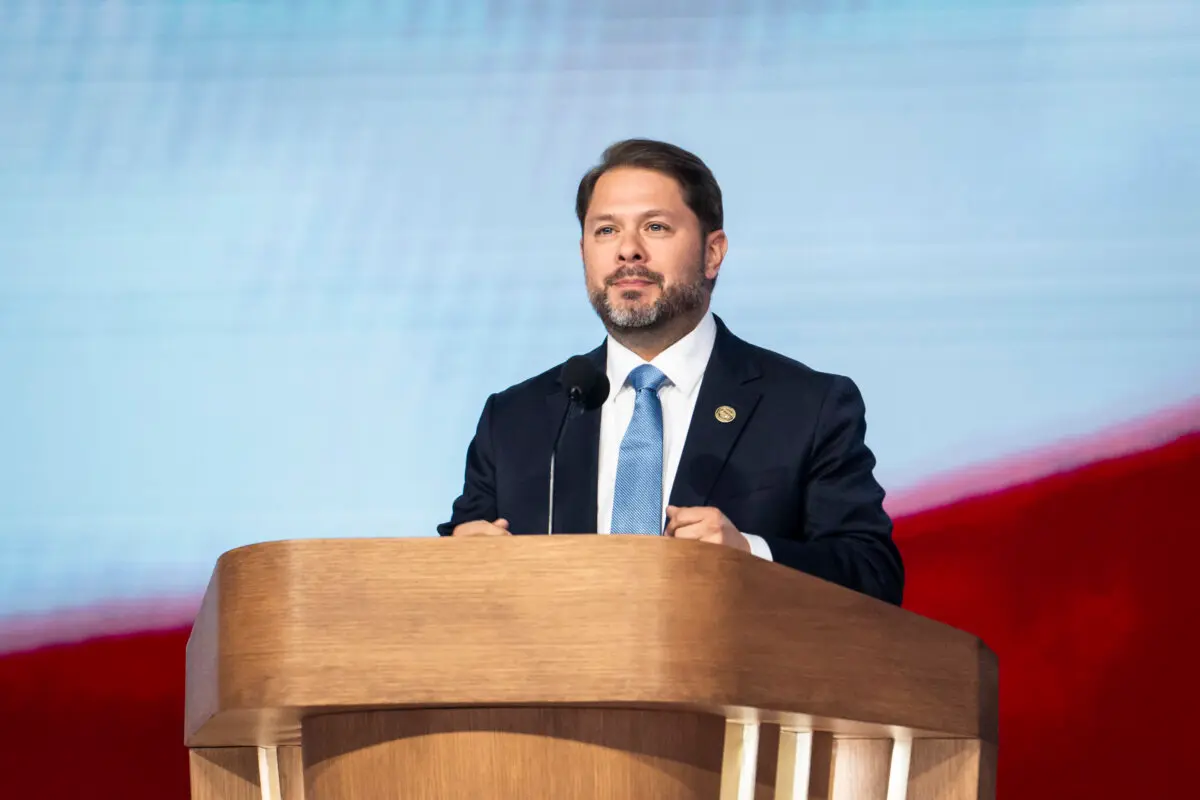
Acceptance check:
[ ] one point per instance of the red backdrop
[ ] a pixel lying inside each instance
(1080, 582)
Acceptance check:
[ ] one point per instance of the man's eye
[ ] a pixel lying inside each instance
(657, 227)
(604, 231)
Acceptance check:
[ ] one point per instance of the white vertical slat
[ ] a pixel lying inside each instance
(740, 762)
(794, 767)
(898, 769)
(268, 773)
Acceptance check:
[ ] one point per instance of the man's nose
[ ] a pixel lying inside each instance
(631, 249)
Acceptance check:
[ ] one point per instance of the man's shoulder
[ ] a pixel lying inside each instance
(783, 371)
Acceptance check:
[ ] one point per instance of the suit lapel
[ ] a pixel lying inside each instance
(728, 385)
(577, 463)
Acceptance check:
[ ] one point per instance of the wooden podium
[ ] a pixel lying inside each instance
(572, 668)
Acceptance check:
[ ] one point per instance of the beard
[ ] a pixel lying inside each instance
(673, 301)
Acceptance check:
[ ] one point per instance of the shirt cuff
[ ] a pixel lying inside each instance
(759, 546)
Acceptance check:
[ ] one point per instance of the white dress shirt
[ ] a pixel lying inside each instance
(683, 363)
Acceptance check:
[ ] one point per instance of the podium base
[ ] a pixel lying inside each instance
(513, 754)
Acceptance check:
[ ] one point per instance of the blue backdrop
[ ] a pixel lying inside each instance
(261, 263)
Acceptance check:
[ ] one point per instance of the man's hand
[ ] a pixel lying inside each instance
(482, 528)
(705, 524)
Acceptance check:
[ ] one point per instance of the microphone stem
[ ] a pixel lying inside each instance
(562, 427)
(550, 521)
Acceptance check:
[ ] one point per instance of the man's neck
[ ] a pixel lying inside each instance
(647, 343)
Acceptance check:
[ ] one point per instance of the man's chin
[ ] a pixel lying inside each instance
(624, 305)
(635, 317)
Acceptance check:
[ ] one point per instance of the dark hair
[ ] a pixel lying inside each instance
(700, 189)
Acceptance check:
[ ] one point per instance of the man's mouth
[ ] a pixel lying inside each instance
(633, 279)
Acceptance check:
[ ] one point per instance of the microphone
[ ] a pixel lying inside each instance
(586, 387)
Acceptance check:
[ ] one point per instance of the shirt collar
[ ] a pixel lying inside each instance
(683, 362)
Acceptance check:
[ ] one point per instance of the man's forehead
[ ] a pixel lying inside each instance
(635, 191)
(637, 178)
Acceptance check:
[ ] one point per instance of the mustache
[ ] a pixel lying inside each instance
(639, 272)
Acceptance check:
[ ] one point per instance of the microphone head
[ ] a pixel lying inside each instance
(585, 382)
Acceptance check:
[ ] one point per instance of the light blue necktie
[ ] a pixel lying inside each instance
(637, 497)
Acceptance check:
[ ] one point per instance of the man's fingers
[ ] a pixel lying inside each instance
(672, 524)
(700, 533)
(678, 518)
(483, 528)
(695, 530)
(687, 515)
(675, 522)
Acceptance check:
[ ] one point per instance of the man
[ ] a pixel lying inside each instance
(703, 435)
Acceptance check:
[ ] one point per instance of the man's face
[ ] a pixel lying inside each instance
(644, 258)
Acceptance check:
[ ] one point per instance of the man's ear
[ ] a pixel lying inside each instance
(716, 245)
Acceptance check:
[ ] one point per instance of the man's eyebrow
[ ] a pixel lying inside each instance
(654, 212)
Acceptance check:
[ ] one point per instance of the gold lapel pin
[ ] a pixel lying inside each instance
(725, 414)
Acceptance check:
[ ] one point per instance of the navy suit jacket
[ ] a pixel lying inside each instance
(792, 467)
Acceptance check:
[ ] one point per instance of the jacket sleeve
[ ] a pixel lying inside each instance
(847, 534)
(478, 498)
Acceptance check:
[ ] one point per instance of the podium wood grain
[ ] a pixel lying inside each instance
(224, 773)
(635, 621)
(952, 769)
(234, 773)
(534, 649)
(514, 754)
